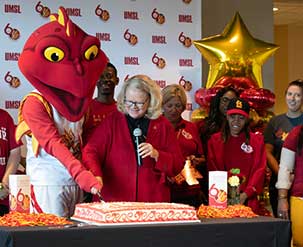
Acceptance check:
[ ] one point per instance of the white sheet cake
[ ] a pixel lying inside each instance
(100, 213)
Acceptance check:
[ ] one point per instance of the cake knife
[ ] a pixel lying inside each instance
(100, 197)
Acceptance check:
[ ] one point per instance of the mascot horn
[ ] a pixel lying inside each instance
(63, 63)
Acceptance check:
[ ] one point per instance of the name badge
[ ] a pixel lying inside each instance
(247, 148)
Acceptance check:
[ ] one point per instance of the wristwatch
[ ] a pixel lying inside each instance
(1, 186)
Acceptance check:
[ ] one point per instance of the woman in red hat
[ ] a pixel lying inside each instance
(235, 146)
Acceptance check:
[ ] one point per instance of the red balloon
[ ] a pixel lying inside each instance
(259, 98)
(203, 96)
(239, 83)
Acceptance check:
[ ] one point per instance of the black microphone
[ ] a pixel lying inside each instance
(137, 133)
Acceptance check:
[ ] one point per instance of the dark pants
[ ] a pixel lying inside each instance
(3, 210)
(87, 197)
(273, 194)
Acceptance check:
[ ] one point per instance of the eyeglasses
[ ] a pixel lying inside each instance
(130, 103)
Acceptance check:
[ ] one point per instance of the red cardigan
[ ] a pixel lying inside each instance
(110, 153)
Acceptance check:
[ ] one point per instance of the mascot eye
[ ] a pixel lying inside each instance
(91, 52)
(53, 54)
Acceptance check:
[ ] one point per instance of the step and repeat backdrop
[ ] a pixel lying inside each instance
(152, 37)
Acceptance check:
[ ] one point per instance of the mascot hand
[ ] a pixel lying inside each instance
(86, 181)
(94, 190)
(84, 178)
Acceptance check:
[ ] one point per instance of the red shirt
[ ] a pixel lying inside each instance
(7, 142)
(97, 112)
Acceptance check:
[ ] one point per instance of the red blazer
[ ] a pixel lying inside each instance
(110, 153)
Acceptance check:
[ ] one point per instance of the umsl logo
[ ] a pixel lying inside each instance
(73, 11)
(102, 13)
(12, 104)
(103, 36)
(161, 83)
(187, 85)
(131, 60)
(13, 33)
(44, 11)
(158, 61)
(185, 40)
(13, 81)
(158, 17)
(185, 62)
(132, 15)
(185, 18)
(12, 56)
(130, 37)
(12, 8)
(158, 39)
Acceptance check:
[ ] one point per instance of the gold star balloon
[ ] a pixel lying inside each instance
(235, 53)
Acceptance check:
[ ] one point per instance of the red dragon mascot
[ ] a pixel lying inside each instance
(63, 63)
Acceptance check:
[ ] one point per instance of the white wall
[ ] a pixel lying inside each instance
(135, 16)
(288, 61)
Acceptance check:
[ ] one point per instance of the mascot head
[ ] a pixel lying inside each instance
(63, 63)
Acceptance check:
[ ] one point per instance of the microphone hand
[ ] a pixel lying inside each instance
(146, 149)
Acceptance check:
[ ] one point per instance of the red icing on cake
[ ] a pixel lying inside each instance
(133, 212)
